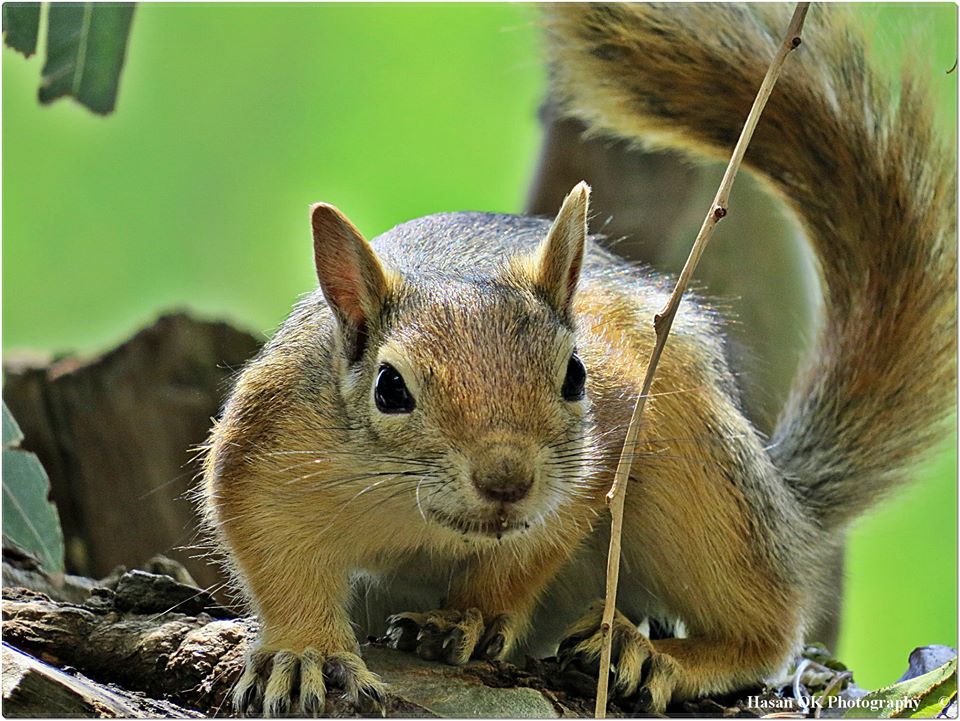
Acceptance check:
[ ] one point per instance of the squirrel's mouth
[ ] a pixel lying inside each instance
(499, 526)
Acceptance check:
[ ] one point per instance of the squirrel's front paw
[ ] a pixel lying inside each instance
(450, 636)
(642, 677)
(281, 683)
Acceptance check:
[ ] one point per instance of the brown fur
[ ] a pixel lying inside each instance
(308, 484)
(871, 183)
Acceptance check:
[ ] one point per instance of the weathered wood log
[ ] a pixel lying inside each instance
(23, 569)
(155, 647)
(139, 638)
(192, 659)
(115, 434)
(33, 689)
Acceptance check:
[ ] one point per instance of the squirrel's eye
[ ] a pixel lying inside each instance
(390, 392)
(573, 382)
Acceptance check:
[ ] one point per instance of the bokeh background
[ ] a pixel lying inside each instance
(232, 119)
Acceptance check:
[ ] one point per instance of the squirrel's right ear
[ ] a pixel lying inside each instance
(351, 278)
(560, 256)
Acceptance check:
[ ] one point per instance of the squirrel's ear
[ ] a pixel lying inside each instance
(560, 255)
(351, 277)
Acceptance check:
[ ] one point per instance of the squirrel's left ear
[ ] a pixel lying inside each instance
(351, 277)
(560, 256)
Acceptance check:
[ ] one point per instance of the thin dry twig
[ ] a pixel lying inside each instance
(662, 322)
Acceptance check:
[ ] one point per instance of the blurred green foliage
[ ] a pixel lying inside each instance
(86, 43)
(21, 25)
(232, 119)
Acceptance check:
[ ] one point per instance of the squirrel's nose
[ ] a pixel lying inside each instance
(502, 488)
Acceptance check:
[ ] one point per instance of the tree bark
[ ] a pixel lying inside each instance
(117, 434)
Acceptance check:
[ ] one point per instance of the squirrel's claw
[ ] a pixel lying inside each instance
(250, 687)
(494, 643)
(447, 635)
(641, 677)
(360, 685)
(281, 683)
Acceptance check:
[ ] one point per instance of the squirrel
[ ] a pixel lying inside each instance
(447, 409)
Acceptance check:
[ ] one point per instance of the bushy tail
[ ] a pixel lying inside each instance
(860, 165)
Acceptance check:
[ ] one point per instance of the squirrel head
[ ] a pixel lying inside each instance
(468, 385)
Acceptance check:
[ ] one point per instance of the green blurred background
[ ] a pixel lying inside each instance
(232, 119)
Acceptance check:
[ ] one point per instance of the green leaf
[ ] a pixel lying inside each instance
(920, 697)
(12, 435)
(934, 704)
(30, 520)
(21, 21)
(86, 45)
